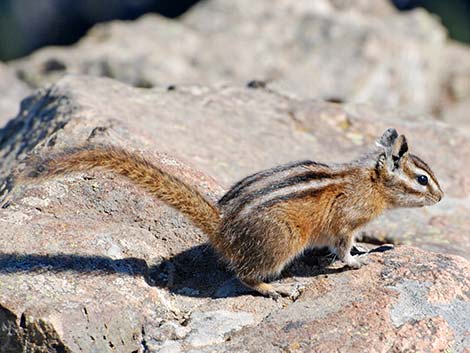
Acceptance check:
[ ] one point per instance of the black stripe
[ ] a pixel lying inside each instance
(293, 196)
(239, 187)
(423, 165)
(419, 162)
(411, 191)
(297, 179)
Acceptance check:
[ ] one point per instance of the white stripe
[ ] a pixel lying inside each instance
(420, 171)
(299, 187)
(268, 180)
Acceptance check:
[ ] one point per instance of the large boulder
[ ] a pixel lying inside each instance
(329, 49)
(12, 91)
(454, 105)
(229, 132)
(90, 263)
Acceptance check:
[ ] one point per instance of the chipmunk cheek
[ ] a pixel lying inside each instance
(437, 196)
(431, 199)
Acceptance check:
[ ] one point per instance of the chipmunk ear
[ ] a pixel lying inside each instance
(400, 147)
(388, 137)
(398, 150)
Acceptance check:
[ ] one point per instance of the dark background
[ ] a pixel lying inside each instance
(26, 25)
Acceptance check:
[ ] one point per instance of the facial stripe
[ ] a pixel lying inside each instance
(431, 186)
(410, 190)
(410, 169)
(418, 171)
(419, 162)
(407, 180)
(423, 166)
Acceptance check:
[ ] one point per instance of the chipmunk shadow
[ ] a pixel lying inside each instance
(195, 272)
(200, 272)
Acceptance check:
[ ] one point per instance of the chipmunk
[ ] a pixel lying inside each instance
(269, 218)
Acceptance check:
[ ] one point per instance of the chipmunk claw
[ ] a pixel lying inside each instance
(274, 295)
(356, 261)
(358, 249)
(291, 291)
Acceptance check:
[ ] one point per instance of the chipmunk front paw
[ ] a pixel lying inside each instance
(356, 261)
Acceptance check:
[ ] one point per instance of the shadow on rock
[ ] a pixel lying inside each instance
(86, 264)
(196, 272)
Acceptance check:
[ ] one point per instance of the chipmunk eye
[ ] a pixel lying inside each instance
(423, 179)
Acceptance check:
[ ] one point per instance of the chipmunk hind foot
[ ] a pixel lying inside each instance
(275, 292)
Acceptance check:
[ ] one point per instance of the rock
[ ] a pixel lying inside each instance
(377, 8)
(214, 327)
(332, 50)
(90, 263)
(455, 98)
(12, 91)
(457, 84)
(76, 111)
(392, 59)
(456, 114)
(141, 64)
(399, 305)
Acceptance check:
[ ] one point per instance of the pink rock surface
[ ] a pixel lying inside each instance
(89, 263)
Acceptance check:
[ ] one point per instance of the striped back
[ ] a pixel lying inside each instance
(285, 182)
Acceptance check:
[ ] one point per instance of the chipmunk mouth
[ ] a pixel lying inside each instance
(434, 198)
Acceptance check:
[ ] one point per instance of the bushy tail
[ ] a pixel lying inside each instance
(162, 185)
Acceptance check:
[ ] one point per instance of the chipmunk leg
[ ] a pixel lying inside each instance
(343, 249)
(290, 290)
(275, 292)
(261, 287)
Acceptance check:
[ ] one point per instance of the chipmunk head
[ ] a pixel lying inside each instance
(408, 180)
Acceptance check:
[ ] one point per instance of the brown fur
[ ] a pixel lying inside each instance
(136, 168)
(269, 218)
